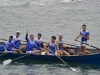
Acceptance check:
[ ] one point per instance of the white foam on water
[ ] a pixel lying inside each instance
(11, 2)
(37, 3)
(44, 2)
(69, 0)
(31, 2)
(65, 1)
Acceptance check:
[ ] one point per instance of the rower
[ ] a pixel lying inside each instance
(61, 45)
(30, 45)
(17, 43)
(52, 46)
(9, 46)
(38, 44)
(85, 35)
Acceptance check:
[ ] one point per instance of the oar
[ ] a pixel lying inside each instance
(3, 54)
(68, 44)
(3, 39)
(6, 40)
(74, 46)
(89, 45)
(64, 62)
(71, 45)
(6, 62)
(43, 42)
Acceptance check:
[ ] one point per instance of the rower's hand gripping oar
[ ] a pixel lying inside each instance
(6, 62)
(64, 62)
(88, 45)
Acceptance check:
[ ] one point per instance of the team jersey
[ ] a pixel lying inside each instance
(9, 46)
(38, 43)
(60, 45)
(52, 47)
(16, 42)
(30, 45)
(84, 33)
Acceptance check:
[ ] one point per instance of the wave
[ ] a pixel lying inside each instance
(31, 2)
(69, 0)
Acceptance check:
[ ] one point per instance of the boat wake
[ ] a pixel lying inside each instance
(32, 2)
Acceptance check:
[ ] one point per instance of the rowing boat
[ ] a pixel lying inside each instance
(93, 59)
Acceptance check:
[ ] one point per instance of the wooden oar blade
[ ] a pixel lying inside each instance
(6, 62)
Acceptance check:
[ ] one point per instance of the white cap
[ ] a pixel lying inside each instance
(18, 32)
(61, 34)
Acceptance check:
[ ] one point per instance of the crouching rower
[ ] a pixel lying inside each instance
(52, 47)
(61, 45)
(9, 46)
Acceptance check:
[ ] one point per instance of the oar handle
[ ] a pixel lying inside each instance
(88, 45)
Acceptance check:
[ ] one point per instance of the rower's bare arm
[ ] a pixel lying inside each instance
(77, 37)
(57, 47)
(27, 32)
(63, 44)
(88, 37)
(56, 41)
(47, 44)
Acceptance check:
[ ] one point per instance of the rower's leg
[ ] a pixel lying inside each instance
(15, 51)
(43, 50)
(66, 53)
(84, 50)
(37, 52)
(60, 53)
(22, 47)
(88, 52)
(19, 51)
(81, 48)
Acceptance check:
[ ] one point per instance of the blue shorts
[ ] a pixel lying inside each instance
(49, 53)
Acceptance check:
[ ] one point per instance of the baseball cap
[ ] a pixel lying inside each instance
(18, 32)
(61, 34)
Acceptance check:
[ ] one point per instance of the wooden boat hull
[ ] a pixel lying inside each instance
(88, 59)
